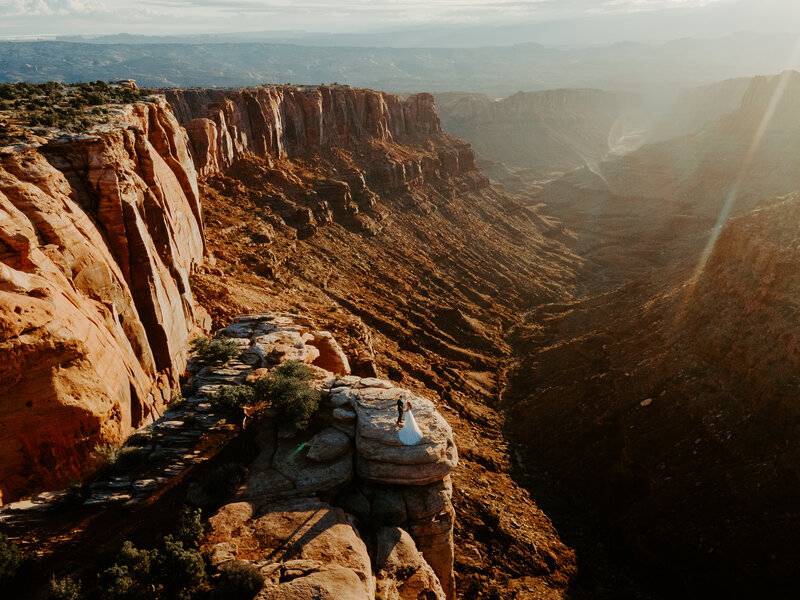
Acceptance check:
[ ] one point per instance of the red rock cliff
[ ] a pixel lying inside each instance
(289, 121)
(97, 241)
(99, 236)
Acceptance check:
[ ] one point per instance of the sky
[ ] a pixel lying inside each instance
(645, 19)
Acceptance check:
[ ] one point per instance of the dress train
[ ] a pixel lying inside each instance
(410, 434)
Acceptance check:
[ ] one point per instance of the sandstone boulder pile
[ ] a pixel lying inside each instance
(343, 509)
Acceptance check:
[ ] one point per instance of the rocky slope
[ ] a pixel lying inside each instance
(666, 406)
(98, 240)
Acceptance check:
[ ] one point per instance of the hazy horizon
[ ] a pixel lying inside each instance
(407, 22)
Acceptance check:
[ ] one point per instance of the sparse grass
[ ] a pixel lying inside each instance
(115, 459)
(106, 455)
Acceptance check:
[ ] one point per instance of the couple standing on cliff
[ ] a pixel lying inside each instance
(410, 433)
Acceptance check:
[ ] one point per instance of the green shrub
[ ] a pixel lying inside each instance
(9, 559)
(231, 397)
(215, 353)
(181, 571)
(169, 573)
(240, 580)
(190, 527)
(293, 369)
(65, 589)
(129, 576)
(299, 405)
(223, 481)
(286, 388)
(96, 98)
(8, 91)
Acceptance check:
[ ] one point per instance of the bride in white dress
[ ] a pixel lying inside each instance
(410, 434)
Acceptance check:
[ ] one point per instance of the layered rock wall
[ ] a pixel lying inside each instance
(98, 237)
(286, 121)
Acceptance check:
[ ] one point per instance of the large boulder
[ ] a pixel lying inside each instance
(380, 455)
(401, 571)
(330, 584)
(297, 529)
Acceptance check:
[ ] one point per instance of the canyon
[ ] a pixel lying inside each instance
(660, 393)
(608, 331)
(348, 205)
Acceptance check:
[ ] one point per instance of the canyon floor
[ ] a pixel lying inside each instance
(653, 414)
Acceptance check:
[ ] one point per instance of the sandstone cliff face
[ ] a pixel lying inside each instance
(279, 122)
(98, 239)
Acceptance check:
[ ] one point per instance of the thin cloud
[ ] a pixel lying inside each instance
(51, 8)
(159, 17)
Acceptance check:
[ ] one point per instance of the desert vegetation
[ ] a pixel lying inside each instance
(214, 353)
(173, 569)
(46, 109)
(286, 388)
(9, 559)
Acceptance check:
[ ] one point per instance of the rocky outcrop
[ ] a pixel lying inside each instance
(285, 121)
(98, 237)
(381, 456)
(301, 544)
(396, 498)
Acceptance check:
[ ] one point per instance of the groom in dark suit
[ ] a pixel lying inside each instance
(400, 413)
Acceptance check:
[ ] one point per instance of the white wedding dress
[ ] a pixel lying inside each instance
(410, 434)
